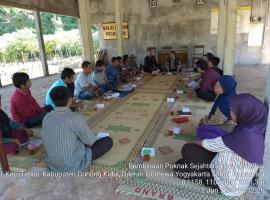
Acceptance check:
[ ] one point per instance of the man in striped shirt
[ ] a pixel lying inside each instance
(70, 144)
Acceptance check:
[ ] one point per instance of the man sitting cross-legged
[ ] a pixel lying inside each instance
(98, 76)
(23, 106)
(84, 86)
(67, 80)
(112, 75)
(70, 145)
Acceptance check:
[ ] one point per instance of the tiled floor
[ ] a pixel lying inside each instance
(250, 79)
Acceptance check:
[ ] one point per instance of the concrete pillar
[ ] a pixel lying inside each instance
(265, 56)
(221, 30)
(86, 31)
(230, 37)
(42, 50)
(119, 29)
(265, 174)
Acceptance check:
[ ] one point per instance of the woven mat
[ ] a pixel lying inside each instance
(23, 161)
(161, 82)
(129, 125)
(130, 121)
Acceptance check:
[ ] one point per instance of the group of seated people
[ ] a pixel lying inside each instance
(230, 147)
(93, 83)
(27, 113)
(172, 65)
(231, 136)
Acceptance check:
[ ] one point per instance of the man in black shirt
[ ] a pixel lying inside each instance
(173, 64)
(150, 63)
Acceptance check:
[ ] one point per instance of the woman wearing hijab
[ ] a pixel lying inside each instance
(229, 164)
(220, 112)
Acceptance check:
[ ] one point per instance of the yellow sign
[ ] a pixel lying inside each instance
(109, 31)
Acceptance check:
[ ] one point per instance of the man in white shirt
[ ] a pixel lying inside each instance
(85, 89)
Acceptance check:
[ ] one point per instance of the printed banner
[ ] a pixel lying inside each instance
(243, 20)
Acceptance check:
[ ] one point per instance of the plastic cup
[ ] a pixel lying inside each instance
(170, 131)
(172, 112)
(31, 149)
(146, 157)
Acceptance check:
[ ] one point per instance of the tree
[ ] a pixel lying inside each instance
(12, 19)
(69, 23)
(48, 26)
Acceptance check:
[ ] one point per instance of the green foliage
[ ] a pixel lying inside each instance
(20, 50)
(2, 56)
(94, 28)
(12, 19)
(95, 44)
(22, 46)
(72, 49)
(48, 26)
(18, 40)
(69, 23)
(50, 46)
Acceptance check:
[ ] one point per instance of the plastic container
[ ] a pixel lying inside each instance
(146, 157)
(31, 149)
(170, 131)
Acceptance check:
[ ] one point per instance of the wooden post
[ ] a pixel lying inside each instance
(119, 28)
(42, 49)
(3, 156)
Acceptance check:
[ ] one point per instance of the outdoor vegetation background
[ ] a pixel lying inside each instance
(18, 39)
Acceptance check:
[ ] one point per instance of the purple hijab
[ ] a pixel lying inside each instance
(247, 139)
(208, 131)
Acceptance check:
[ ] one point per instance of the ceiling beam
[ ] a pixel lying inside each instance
(66, 7)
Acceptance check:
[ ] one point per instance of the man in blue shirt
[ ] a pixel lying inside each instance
(112, 74)
(67, 78)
